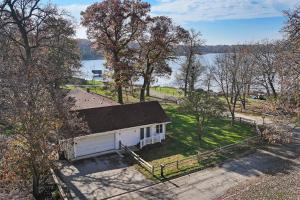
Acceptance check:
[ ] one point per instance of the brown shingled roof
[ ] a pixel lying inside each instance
(85, 100)
(123, 116)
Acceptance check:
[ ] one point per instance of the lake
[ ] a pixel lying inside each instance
(89, 65)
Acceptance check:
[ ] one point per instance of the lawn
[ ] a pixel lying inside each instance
(171, 91)
(94, 82)
(182, 139)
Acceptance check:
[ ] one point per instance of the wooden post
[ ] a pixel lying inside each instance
(162, 170)
(153, 170)
(240, 119)
(198, 157)
(177, 164)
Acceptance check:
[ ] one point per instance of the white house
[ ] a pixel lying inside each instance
(138, 124)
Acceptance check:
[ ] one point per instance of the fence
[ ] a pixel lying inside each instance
(209, 158)
(137, 158)
(201, 159)
(243, 120)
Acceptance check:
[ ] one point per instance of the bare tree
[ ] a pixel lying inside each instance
(246, 74)
(39, 56)
(229, 75)
(265, 64)
(287, 104)
(112, 27)
(195, 72)
(208, 77)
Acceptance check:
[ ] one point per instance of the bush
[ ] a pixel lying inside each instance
(277, 136)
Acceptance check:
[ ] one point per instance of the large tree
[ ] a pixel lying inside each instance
(156, 46)
(230, 75)
(289, 65)
(113, 25)
(39, 56)
(265, 55)
(195, 71)
(191, 67)
(246, 74)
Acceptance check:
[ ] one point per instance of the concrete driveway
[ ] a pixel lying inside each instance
(101, 177)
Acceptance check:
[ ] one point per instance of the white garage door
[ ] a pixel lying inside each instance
(94, 144)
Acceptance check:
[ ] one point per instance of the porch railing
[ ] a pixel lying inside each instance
(152, 140)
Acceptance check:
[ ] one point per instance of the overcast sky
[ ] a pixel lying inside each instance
(220, 21)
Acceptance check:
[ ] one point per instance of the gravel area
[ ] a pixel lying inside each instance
(282, 186)
(281, 183)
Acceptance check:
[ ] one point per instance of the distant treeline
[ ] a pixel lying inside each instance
(88, 53)
(208, 49)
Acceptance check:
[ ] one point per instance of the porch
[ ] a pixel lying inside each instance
(154, 138)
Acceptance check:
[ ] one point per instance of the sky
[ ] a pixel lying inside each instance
(219, 21)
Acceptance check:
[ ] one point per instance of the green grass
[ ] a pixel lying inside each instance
(182, 139)
(94, 82)
(127, 97)
(171, 91)
(69, 87)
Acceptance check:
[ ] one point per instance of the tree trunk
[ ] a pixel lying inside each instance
(187, 72)
(200, 126)
(120, 94)
(143, 89)
(35, 185)
(148, 89)
(244, 104)
(248, 90)
(273, 89)
(243, 101)
(192, 83)
(119, 88)
(232, 117)
(118, 78)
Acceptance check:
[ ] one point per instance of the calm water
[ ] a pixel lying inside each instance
(89, 65)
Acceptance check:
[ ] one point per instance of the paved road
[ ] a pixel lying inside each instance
(213, 183)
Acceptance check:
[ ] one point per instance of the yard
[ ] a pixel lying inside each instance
(182, 139)
(170, 91)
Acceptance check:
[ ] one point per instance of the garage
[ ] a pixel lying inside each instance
(94, 144)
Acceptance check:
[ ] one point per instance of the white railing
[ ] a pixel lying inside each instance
(151, 140)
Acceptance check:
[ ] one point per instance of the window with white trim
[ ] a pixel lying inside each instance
(159, 128)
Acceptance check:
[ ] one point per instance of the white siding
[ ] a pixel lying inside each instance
(130, 137)
(107, 141)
